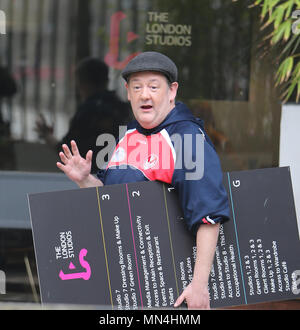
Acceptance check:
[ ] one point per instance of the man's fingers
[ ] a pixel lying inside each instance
(63, 158)
(67, 151)
(179, 300)
(60, 166)
(89, 155)
(74, 148)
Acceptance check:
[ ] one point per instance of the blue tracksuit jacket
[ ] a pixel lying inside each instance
(177, 152)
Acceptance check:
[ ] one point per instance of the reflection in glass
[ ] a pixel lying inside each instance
(214, 44)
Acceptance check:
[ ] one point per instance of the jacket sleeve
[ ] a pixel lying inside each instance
(101, 175)
(198, 179)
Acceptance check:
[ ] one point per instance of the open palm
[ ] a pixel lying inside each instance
(73, 165)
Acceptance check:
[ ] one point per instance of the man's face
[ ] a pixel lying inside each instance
(151, 97)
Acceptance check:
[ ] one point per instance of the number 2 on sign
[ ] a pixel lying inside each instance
(136, 193)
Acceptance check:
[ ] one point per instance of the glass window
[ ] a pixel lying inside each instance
(60, 79)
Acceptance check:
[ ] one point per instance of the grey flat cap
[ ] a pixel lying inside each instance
(151, 61)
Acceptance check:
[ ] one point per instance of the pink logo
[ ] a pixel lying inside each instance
(84, 275)
(112, 57)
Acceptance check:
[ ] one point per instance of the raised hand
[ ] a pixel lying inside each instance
(77, 168)
(73, 165)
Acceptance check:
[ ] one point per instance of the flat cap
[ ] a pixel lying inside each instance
(151, 61)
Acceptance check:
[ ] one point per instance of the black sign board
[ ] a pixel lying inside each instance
(127, 247)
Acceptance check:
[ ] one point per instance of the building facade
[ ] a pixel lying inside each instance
(223, 78)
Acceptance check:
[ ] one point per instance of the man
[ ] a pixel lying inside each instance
(99, 111)
(149, 151)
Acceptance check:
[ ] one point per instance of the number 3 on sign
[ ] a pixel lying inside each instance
(136, 193)
(106, 196)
